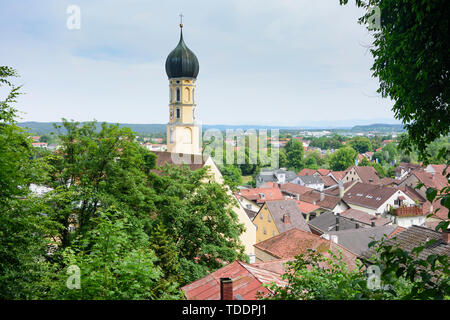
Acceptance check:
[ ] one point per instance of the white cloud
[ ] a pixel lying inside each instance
(282, 61)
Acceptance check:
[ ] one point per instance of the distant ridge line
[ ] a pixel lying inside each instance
(42, 128)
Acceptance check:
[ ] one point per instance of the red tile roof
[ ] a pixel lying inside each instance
(291, 243)
(293, 188)
(306, 172)
(411, 211)
(277, 266)
(367, 174)
(439, 168)
(369, 195)
(294, 242)
(254, 194)
(306, 207)
(247, 282)
(328, 202)
(323, 172)
(339, 175)
(437, 180)
(328, 181)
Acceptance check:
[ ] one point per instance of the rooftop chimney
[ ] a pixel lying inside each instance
(337, 222)
(322, 196)
(373, 224)
(297, 196)
(446, 236)
(341, 189)
(226, 289)
(357, 226)
(286, 218)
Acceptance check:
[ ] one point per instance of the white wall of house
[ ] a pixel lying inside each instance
(340, 207)
(384, 208)
(248, 237)
(313, 185)
(407, 222)
(351, 176)
(248, 204)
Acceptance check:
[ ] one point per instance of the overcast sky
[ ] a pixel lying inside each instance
(280, 62)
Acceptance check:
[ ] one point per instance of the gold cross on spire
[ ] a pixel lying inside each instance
(181, 20)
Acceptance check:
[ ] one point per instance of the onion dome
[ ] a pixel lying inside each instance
(182, 62)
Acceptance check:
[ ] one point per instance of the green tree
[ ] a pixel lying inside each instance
(166, 251)
(283, 162)
(361, 144)
(199, 218)
(115, 262)
(311, 163)
(232, 175)
(22, 226)
(343, 158)
(294, 154)
(320, 161)
(95, 169)
(410, 52)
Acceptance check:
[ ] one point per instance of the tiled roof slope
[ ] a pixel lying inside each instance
(415, 236)
(368, 195)
(247, 282)
(194, 162)
(289, 207)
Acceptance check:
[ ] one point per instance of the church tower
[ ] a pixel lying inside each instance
(182, 69)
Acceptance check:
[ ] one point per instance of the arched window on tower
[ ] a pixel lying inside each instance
(171, 95)
(171, 135)
(178, 94)
(193, 95)
(188, 95)
(178, 113)
(187, 136)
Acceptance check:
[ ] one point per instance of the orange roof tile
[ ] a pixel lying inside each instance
(247, 282)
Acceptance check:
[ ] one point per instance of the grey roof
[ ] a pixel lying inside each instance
(326, 222)
(415, 236)
(279, 208)
(311, 179)
(290, 175)
(357, 240)
(269, 175)
(250, 213)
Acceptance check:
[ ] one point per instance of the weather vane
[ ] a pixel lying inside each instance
(181, 20)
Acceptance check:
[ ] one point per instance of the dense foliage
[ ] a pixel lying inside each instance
(132, 230)
(411, 61)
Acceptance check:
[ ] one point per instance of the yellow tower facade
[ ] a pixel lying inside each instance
(182, 131)
(183, 134)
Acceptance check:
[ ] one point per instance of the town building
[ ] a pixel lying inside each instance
(183, 139)
(364, 174)
(243, 281)
(376, 199)
(276, 217)
(314, 182)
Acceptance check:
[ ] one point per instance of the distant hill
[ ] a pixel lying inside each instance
(379, 127)
(41, 128)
